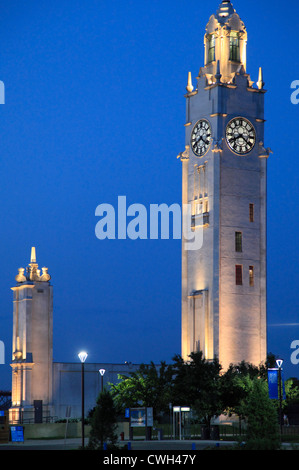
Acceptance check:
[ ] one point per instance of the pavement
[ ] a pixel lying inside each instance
(74, 444)
(187, 446)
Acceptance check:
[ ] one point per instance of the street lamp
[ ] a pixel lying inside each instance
(102, 372)
(82, 356)
(279, 364)
(170, 410)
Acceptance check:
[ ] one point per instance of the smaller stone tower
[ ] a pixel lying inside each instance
(32, 345)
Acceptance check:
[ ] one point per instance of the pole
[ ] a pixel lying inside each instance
(170, 424)
(82, 396)
(280, 400)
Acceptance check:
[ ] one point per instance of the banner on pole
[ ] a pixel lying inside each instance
(273, 383)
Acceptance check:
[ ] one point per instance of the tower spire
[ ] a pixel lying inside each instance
(189, 86)
(33, 255)
(260, 82)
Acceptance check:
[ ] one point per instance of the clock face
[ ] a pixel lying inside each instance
(240, 135)
(201, 138)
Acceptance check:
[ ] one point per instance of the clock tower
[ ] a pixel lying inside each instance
(224, 176)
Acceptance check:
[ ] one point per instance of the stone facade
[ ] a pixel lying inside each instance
(32, 343)
(224, 180)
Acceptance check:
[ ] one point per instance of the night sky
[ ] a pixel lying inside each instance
(95, 109)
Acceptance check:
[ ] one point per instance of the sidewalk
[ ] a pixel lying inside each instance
(73, 444)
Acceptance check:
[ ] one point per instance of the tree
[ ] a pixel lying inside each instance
(103, 422)
(232, 390)
(261, 416)
(197, 384)
(149, 386)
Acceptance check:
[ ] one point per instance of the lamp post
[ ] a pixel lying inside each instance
(102, 372)
(170, 412)
(279, 364)
(82, 356)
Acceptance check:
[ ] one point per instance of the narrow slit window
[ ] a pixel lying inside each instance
(234, 47)
(239, 275)
(238, 242)
(211, 48)
(251, 276)
(251, 212)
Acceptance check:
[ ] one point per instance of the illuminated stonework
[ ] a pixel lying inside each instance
(224, 283)
(32, 343)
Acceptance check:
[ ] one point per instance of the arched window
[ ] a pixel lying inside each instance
(211, 48)
(234, 47)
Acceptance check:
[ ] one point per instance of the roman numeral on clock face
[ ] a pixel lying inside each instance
(240, 136)
(201, 137)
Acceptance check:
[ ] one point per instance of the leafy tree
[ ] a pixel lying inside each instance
(197, 384)
(233, 390)
(292, 390)
(149, 386)
(103, 422)
(261, 416)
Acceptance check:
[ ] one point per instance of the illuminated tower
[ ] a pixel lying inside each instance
(224, 180)
(32, 344)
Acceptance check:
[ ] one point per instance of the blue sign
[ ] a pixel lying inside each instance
(17, 433)
(273, 383)
(127, 413)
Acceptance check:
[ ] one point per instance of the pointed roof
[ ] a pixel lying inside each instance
(225, 11)
(33, 255)
(32, 272)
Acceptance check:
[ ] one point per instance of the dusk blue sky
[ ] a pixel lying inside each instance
(95, 109)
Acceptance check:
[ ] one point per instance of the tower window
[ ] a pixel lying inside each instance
(251, 276)
(251, 212)
(234, 47)
(239, 275)
(211, 48)
(238, 242)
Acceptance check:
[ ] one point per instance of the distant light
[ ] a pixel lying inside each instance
(279, 363)
(102, 372)
(82, 356)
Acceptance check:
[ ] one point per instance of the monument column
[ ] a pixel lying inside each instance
(32, 343)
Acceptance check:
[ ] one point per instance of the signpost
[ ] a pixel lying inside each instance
(17, 433)
(142, 418)
(276, 387)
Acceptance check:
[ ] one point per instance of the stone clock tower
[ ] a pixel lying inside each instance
(32, 355)
(224, 179)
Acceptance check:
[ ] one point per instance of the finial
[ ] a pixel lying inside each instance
(189, 86)
(260, 82)
(33, 255)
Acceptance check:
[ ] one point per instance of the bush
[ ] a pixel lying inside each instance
(103, 423)
(262, 423)
(261, 444)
